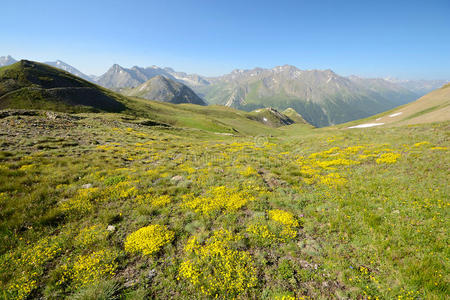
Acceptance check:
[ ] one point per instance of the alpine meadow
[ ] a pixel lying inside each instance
(266, 181)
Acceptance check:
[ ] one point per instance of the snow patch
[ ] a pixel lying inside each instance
(396, 114)
(366, 125)
(378, 119)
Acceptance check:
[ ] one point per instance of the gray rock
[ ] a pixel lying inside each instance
(130, 283)
(151, 274)
(177, 178)
(86, 186)
(51, 115)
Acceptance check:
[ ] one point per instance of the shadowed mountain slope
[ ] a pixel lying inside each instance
(31, 85)
(164, 89)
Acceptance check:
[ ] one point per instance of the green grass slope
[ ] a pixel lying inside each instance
(215, 118)
(271, 117)
(32, 85)
(103, 206)
(293, 115)
(433, 107)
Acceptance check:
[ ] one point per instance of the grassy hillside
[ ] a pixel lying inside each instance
(167, 201)
(214, 118)
(110, 206)
(433, 107)
(32, 85)
(293, 115)
(271, 117)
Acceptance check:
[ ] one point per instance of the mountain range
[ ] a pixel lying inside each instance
(420, 87)
(118, 77)
(321, 97)
(28, 85)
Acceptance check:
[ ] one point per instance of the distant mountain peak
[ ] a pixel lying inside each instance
(285, 68)
(160, 78)
(118, 77)
(116, 67)
(68, 68)
(162, 88)
(237, 71)
(6, 60)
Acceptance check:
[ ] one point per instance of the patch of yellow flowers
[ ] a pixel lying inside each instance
(90, 235)
(27, 167)
(337, 162)
(161, 201)
(282, 227)
(289, 222)
(216, 267)
(217, 199)
(315, 168)
(29, 266)
(262, 233)
(283, 217)
(247, 172)
(81, 202)
(157, 201)
(388, 158)
(89, 268)
(148, 240)
(333, 179)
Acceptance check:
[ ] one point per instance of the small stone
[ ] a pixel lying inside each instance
(151, 274)
(130, 283)
(177, 178)
(86, 186)
(111, 228)
(51, 115)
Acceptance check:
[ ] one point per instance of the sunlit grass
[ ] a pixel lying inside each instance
(152, 212)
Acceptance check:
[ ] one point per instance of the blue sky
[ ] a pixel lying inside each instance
(405, 39)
